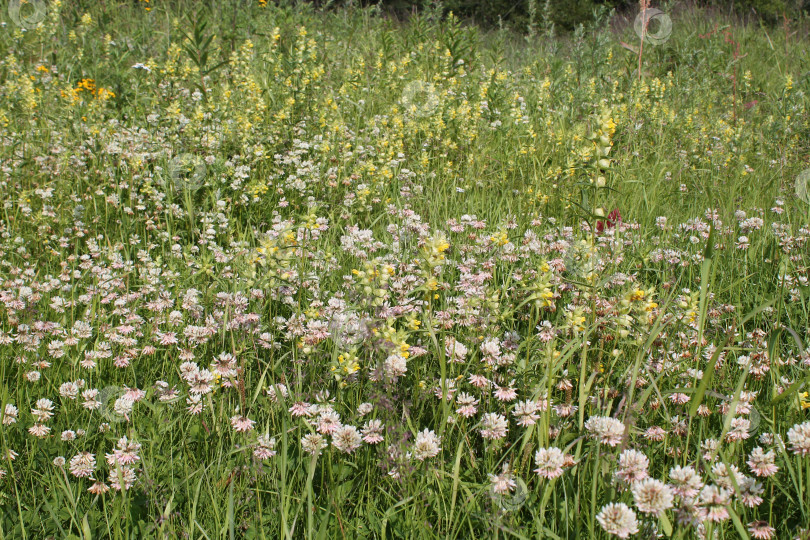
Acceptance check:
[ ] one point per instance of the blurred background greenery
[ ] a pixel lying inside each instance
(567, 14)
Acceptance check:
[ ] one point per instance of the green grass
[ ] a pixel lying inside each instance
(200, 208)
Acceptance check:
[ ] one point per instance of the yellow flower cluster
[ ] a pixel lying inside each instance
(601, 140)
(276, 254)
(88, 86)
(540, 289)
(345, 364)
(434, 248)
(395, 340)
(372, 281)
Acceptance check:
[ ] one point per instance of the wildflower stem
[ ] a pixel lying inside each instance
(594, 485)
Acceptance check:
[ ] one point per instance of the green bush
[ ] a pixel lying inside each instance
(568, 14)
(770, 10)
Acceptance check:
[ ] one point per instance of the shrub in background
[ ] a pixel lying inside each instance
(567, 14)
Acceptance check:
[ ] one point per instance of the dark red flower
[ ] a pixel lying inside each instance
(614, 217)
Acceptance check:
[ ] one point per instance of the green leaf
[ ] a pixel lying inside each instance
(209, 70)
(738, 524)
(86, 529)
(666, 525)
(230, 517)
(708, 374)
(790, 390)
(456, 471)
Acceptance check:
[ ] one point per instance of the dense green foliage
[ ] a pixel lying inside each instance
(567, 14)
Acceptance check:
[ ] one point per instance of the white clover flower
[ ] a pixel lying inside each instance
(618, 519)
(652, 496)
(549, 462)
(427, 445)
(799, 438)
(347, 439)
(605, 429)
(632, 466)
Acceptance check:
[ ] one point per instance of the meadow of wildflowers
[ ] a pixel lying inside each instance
(274, 272)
